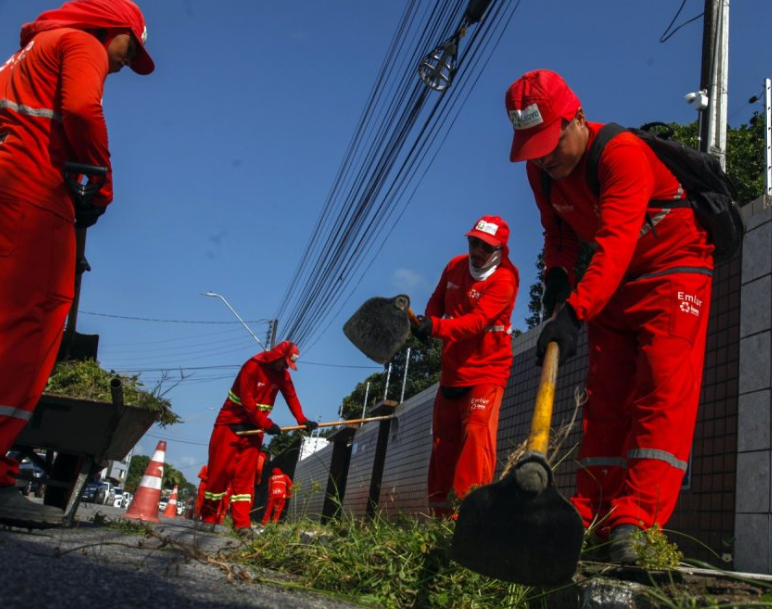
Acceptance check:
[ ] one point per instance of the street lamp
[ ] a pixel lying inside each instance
(699, 101)
(243, 323)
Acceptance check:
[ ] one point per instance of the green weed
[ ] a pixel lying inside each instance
(403, 564)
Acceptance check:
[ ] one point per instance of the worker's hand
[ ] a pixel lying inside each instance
(273, 430)
(556, 290)
(423, 330)
(87, 214)
(564, 330)
(310, 425)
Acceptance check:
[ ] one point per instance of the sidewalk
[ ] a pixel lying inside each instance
(91, 565)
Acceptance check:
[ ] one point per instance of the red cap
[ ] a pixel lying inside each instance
(491, 229)
(289, 351)
(93, 14)
(536, 103)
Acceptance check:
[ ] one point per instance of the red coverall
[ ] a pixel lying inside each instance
(645, 298)
(233, 459)
(50, 113)
(473, 320)
(279, 490)
(202, 475)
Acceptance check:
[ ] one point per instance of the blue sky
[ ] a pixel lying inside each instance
(224, 156)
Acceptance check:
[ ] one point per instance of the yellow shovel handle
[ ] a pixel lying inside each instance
(539, 438)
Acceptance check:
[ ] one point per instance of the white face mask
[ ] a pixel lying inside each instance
(482, 273)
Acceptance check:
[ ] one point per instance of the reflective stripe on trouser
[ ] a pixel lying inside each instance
(647, 349)
(37, 279)
(464, 443)
(232, 460)
(276, 507)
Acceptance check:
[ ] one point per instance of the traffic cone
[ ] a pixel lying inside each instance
(145, 504)
(171, 507)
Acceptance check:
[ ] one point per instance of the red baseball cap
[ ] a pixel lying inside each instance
(289, 351)
(491, 229)
(536, 103)
(93, 14)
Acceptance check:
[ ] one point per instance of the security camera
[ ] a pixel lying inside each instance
(697, 99)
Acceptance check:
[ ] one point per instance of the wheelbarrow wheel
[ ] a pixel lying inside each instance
(64, 472)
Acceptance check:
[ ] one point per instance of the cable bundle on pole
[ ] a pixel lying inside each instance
(399, 133)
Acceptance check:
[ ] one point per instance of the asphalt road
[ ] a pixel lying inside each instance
(92, 565)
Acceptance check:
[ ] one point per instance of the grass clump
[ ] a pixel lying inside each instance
(86, 380)
(654, 550)
(403, 564)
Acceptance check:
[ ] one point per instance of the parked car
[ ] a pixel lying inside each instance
(31, 478)
(127, 497)
(163, 503)
(93, 492)
(109, 496)
(118, 497)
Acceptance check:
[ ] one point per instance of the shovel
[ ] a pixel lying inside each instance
(521, 529)
(77, 346)
(253, 432)
(381, 326)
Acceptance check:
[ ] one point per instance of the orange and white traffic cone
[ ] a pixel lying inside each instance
(145, 504)
(171, 507)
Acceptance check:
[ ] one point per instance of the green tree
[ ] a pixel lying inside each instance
(137, 468)
(171, 476)
(423, 371)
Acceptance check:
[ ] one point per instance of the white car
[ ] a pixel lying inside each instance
(163, 503)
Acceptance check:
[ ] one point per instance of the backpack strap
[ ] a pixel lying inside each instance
(607, 133)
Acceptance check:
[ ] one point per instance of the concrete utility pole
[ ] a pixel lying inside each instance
(714, 77)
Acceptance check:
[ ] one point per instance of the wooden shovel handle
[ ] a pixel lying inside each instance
(254, 432)
(412, 317)
(539, 438)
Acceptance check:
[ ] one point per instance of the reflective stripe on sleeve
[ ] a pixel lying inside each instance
(21, 109)
(15, 413)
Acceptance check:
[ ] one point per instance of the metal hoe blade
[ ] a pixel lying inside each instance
(380, 327)
(518, 536)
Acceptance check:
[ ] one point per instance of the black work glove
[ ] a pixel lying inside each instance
(273, 430)
(423, 330)
(310, 425)
(556, 289)
(564, 330)
(87, 214)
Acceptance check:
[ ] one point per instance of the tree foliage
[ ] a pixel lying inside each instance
(744, 165)
(423, 370)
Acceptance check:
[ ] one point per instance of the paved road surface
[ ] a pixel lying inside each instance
(92, 566)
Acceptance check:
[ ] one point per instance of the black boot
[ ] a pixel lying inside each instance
(17, 511)
(622, 547)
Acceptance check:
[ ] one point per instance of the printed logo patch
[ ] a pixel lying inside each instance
(451, 286)
(487, 227)
(474, 294)
(478, 403)
(526, 118)
(689, 303)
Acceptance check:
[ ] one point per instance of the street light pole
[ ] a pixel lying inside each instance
(243, 323)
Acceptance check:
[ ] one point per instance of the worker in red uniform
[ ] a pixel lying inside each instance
(50, 113)
(470, 312)
(232, 458)
(203, 474)
(644, 298)
(279, 490)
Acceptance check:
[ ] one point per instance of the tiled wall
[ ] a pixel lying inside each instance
(753, 506)
(724, 514)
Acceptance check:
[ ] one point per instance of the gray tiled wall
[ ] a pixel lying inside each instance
(753, 506)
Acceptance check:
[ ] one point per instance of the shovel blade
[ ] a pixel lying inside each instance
(380, 327)
(518, 536)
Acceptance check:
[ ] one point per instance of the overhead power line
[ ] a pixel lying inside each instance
(171, 321)
(399, 133)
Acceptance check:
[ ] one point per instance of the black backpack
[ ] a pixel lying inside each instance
(711, 193)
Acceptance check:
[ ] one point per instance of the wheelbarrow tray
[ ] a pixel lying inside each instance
(84, 434)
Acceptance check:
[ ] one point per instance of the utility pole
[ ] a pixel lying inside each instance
(270, 337)
(364, 404)
(714, 77)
